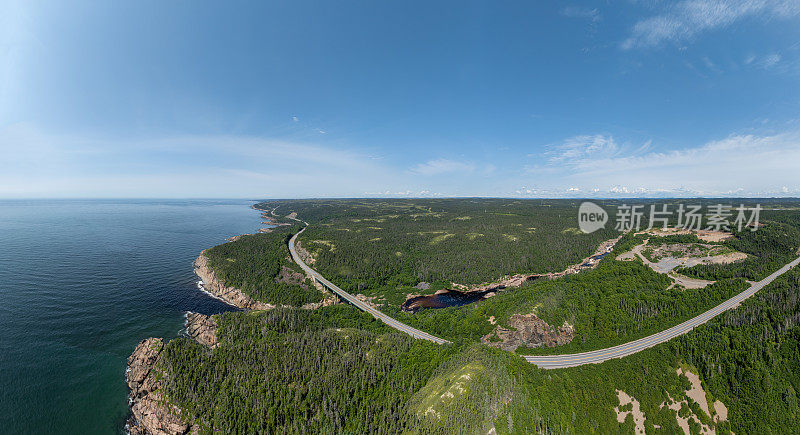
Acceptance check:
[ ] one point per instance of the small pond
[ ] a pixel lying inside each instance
(446, 298)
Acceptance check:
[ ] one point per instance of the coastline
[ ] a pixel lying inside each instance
(230, 295)
(149, 413)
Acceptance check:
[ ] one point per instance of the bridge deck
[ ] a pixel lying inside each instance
(363, 306)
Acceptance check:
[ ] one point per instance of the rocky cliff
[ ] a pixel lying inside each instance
(202, 329)
(230, 295)
(150, 415)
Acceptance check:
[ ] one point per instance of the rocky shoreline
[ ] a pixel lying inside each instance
(229, 295)
(150, 413)
(202, 329)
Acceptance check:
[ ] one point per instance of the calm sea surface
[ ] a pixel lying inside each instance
(81, 282)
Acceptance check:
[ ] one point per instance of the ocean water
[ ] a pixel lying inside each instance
(81, 282)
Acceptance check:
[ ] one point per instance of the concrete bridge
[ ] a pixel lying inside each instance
(363, 306)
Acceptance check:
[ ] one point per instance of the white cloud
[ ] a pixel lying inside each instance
(44, 165)
(687, 19)
(762, 164)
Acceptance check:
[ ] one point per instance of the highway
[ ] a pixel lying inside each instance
(565, 360)
(623, 350)
(416, 333)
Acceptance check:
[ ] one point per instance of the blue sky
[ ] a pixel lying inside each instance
(315, 99)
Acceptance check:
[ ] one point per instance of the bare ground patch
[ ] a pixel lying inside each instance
(689, 283)
(635, 412)
(291, 277)
(666, 258)
(684, 413)
(304, 254)
(530, 331)
(704, 235)
(441, 238)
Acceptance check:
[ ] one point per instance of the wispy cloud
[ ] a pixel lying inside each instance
(46, 165)
(590, 14)
(443, 166)
(767, 61)
(723, 167)
(581, 147)
(770, 61)
(685, 20)
(181, 166)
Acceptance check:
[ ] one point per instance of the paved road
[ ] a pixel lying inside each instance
(558, 361)
(598, 356)
(416, 333)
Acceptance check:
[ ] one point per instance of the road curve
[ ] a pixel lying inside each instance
(416, 333)
(566, 360)
(598, 356)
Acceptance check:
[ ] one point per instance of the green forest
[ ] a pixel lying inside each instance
(259, 265)
(612, 304)
(768, 249)
(337, 370)
(375, 246)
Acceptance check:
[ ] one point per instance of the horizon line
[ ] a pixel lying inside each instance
(587, 198)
